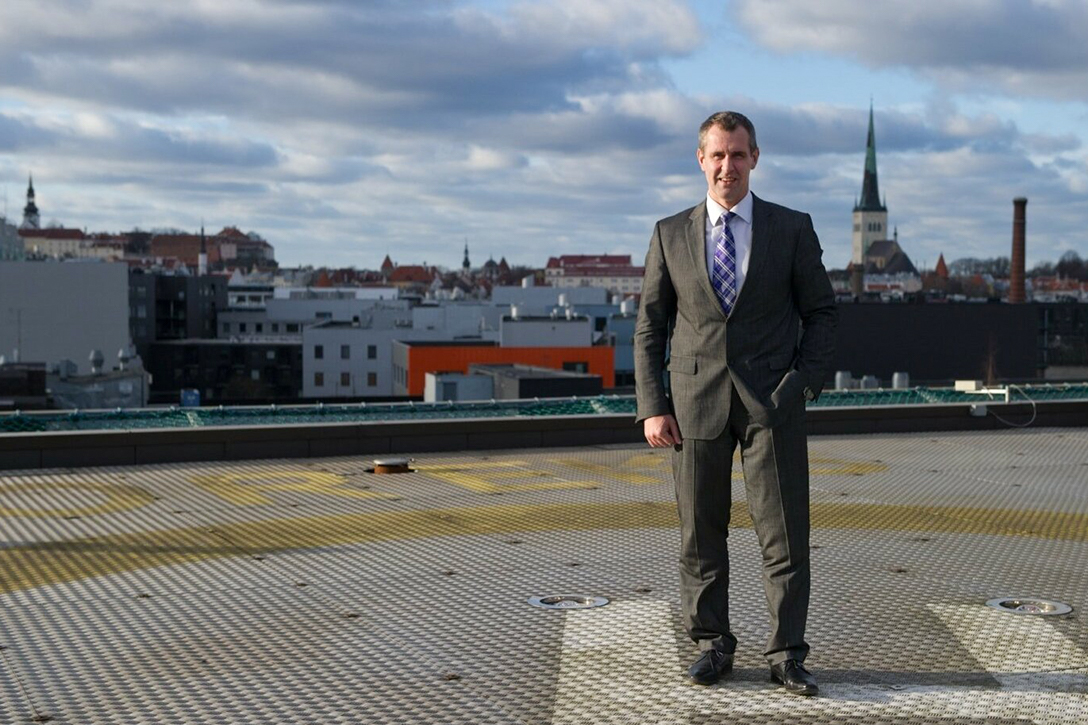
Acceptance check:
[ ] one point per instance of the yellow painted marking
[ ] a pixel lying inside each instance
(248, 489)
(628, 472)
(38, 564)
(828, 467)
(118, 497)
(839, 467)
(494, 477)
(641, 469)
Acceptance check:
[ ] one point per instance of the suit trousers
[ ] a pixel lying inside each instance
(775, 464)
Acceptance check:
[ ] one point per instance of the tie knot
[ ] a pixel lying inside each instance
(724, 218)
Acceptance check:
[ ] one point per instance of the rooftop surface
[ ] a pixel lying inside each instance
(291, 591)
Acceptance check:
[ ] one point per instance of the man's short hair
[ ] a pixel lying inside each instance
(729, 121)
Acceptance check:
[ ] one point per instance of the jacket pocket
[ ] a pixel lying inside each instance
(682, 364)
(780, 362)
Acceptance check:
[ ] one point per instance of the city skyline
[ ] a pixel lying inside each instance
(342, 134)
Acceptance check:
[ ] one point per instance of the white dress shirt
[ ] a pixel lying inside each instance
(740, 225)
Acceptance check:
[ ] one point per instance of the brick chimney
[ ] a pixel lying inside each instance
(1016, 274)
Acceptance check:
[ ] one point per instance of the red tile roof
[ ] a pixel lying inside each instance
(53, 233)
(567, 261)
(625, 271)
(411, 273)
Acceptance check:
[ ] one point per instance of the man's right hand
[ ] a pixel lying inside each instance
(661, 431)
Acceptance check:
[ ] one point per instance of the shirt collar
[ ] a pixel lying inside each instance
(743, 209)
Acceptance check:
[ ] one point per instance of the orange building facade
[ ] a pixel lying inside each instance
(413, 360)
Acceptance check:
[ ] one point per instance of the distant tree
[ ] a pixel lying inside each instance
(1071, 266)
(968, 266)
(137, 242)
(1000, 266)
(1042, 269)
(963, 267)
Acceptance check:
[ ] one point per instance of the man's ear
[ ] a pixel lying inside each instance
(755, 157)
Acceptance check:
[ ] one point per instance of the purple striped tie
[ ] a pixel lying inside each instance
(724, 274)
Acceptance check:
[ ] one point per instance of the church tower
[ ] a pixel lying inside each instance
(870, 215)
(31, 218)
(202, 258)
(466, 266)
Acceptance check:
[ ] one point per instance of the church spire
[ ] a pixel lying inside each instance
(870, 193)
(202, 258)
(31, 218)
(465, 265)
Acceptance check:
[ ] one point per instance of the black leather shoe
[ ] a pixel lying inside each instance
(792, 675)
(711, 666)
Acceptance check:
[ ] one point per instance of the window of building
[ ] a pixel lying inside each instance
(275, 327)
(576, 366)
(258, 327)
(323, 315)
(292, 327)
(270, 355)
(319, 380)
(371, 352)
(345, 352)
(226, 328)
(372, 380)
(241, 327)
(319, 352)
(345, 380)
(255, 374)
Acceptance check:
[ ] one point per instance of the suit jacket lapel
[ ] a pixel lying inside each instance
(762, 231)
(696, 241)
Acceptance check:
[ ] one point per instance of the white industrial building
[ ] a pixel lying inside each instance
(568, 330)
(53, 311)
(535, 300)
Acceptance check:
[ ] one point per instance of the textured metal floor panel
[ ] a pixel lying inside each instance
(313, 591)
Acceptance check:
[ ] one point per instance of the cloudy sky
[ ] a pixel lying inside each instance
(342, 130)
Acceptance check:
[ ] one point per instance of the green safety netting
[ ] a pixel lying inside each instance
(175, 417)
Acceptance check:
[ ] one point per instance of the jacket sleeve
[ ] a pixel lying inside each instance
(816, 305)
(655, 313)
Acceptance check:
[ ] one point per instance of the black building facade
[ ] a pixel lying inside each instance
(938, 343)
(226, 372)
(173, 307)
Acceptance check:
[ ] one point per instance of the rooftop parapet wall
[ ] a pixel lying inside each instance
(526, 424)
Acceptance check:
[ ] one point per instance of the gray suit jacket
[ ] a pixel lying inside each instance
(776, 346)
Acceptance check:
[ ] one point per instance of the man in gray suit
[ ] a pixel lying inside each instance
(736, 291)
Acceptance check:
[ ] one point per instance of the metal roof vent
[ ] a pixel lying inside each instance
(391, 465)
(567, 601)
(1021, 605)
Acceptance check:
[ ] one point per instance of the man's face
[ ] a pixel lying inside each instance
(727, 161)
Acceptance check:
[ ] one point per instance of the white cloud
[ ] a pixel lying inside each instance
(327, 125)
(1030, 48)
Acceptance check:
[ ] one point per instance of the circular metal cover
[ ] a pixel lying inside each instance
(392, 461)
(1024, 605)
(391, 465)
(567, 601)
